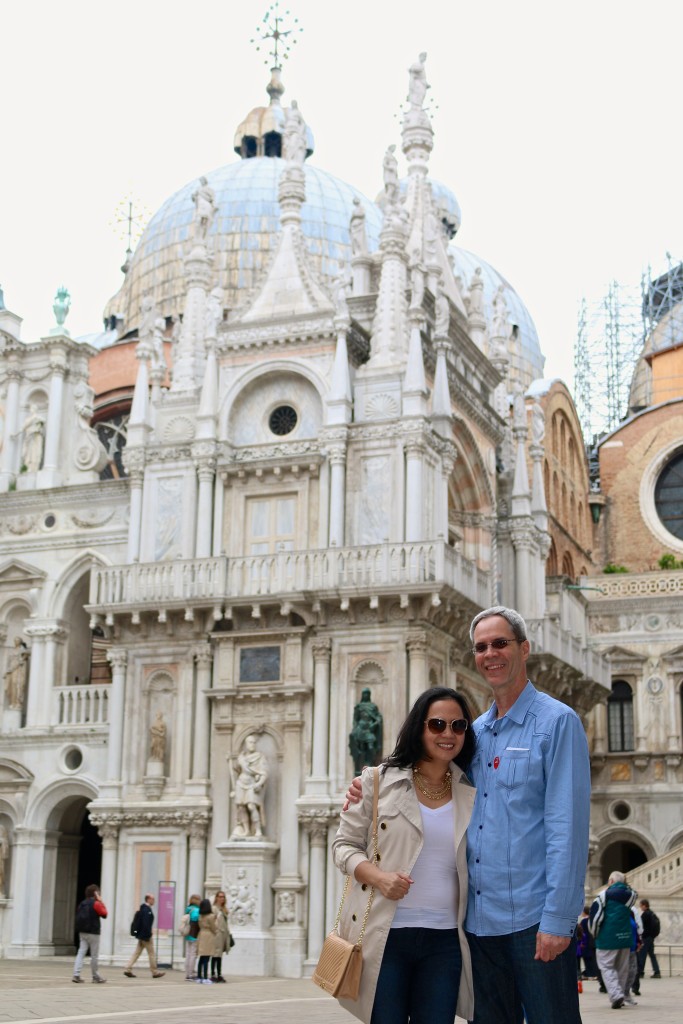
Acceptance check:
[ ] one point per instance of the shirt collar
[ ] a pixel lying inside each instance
(517, 713)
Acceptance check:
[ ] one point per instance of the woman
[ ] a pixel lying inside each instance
(206, 938)
(222, 940)
(416, 962)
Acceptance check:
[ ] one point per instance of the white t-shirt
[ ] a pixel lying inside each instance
(432, 900)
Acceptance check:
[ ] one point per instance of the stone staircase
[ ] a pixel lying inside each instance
(661, 882)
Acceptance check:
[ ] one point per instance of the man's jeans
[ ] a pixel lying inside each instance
(647, 950)
(419, 977)
(92, 942)
(509, 983)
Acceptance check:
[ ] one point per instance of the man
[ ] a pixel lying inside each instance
(88, 916)
(650, 933)
(610, 923)
(143, 933)
(527, 841)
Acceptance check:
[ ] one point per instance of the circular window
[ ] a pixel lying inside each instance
(73, 759)
(49, 521)
(621, 811)
(283, 420)
(669, 496)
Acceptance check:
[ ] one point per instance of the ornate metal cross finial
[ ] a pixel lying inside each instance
(130, 219)
(283, 38)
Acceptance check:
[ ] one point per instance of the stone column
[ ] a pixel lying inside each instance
(337, 456)
(118, 659)
(316, 826)
(54, 410)
(10, 441)
(318, 782)
(290, 780)
(417, 664)
(134, 460)
(206, 468)
(522, 541)
(109, 832)
(197, 861)
(37, 700)
(414, 492)
(202, 726)
(218, 503)
(600, 736)
(448, 456)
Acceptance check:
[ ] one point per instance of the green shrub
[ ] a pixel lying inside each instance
(669, 561)
(611, 567)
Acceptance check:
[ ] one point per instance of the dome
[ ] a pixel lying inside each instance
(527, 360)
(244, 233)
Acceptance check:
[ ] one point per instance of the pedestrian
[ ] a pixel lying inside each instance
(206, 940)
(610, 923)
(222, 942)
(416, 962)
(651, 929)
(143, 923)
(527, 841)
(89, 914)
(192, 919)
(632, 979)
(585, 949)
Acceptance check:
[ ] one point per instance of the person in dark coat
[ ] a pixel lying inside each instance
(145, 922)
(88, 916)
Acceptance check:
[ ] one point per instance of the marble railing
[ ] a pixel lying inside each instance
(661, 876)
(360, 569)
(81, 705)
(631, 584)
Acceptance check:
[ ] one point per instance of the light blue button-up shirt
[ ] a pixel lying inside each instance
(527, 842)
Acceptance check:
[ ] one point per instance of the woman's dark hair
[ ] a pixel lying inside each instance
(409, 747)
(205, 907)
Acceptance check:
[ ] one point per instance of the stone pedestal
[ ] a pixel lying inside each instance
(11, 719)
(154, 780)
(247, 874)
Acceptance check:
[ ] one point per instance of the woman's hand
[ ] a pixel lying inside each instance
(354, 794)
(394, 885)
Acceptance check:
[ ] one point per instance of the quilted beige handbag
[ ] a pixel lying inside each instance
(341, 962)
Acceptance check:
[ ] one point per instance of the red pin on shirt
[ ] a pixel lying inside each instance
(496, 762)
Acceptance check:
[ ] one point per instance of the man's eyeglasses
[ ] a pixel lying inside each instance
(438, 725)
(499, 644)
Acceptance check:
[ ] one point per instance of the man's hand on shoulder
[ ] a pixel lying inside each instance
(354, 793)
(548, 947)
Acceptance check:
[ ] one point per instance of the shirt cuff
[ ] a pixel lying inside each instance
(552, 924)
(352, 863)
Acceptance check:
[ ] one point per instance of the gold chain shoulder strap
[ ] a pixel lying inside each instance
(375, 860)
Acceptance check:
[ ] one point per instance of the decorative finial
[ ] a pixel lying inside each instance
(130, 220)
(60, 308)
(283, 38)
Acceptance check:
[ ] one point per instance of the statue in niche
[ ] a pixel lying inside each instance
(4, 854)
(501, 328)
(359, 238)
(518, 406)
(390, 173)
(158, 357)
(16, 674)
(417, 87)
(294, 135)
(249, 773)
(214, 312)
(204, 199)
(157, 738)
(417, 286)
(476, 296)
(340, 291)
(365, 738)
(34, 438)
(537, 423)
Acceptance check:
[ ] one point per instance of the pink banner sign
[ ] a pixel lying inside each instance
(166, 906)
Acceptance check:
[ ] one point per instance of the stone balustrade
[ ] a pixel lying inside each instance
(659, 877)
(81, 705)
(630, 584)
(366, 569)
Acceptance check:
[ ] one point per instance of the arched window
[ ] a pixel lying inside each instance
(568, 566)
(620, 717)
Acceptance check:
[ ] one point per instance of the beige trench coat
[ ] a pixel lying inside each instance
(400, 841)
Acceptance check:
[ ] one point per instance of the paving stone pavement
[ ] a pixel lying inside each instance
(41, 990)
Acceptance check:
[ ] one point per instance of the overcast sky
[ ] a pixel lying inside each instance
(557, 127)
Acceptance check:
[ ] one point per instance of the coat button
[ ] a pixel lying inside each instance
(364, 886)
(383, 825)
(353, 917)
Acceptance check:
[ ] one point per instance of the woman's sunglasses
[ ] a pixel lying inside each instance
(438, 725)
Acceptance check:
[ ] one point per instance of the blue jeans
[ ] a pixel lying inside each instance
(509, 985)
(647, 950)
(419, 977)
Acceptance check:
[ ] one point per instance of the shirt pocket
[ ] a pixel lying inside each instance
(514, 769)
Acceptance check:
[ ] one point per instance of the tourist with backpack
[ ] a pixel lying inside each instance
(609, 922)
(651, 929)
(141, 929)
(90, 912)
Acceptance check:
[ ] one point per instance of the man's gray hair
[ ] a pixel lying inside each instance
(616, 876)
(517, 623)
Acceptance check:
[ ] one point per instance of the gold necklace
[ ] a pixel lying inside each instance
(432, 794)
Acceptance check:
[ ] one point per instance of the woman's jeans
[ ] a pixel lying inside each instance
(419, 977)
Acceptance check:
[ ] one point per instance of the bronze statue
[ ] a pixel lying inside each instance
(365, 738)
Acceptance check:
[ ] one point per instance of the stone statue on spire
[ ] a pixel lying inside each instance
(294, 137)
(204, 199)
(501, 328)
(418, 85)
(390, 170)
(359, 237)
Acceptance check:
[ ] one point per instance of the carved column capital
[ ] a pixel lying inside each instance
(321, 648)
(203, 654)
(117, 657)
(417, 641)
